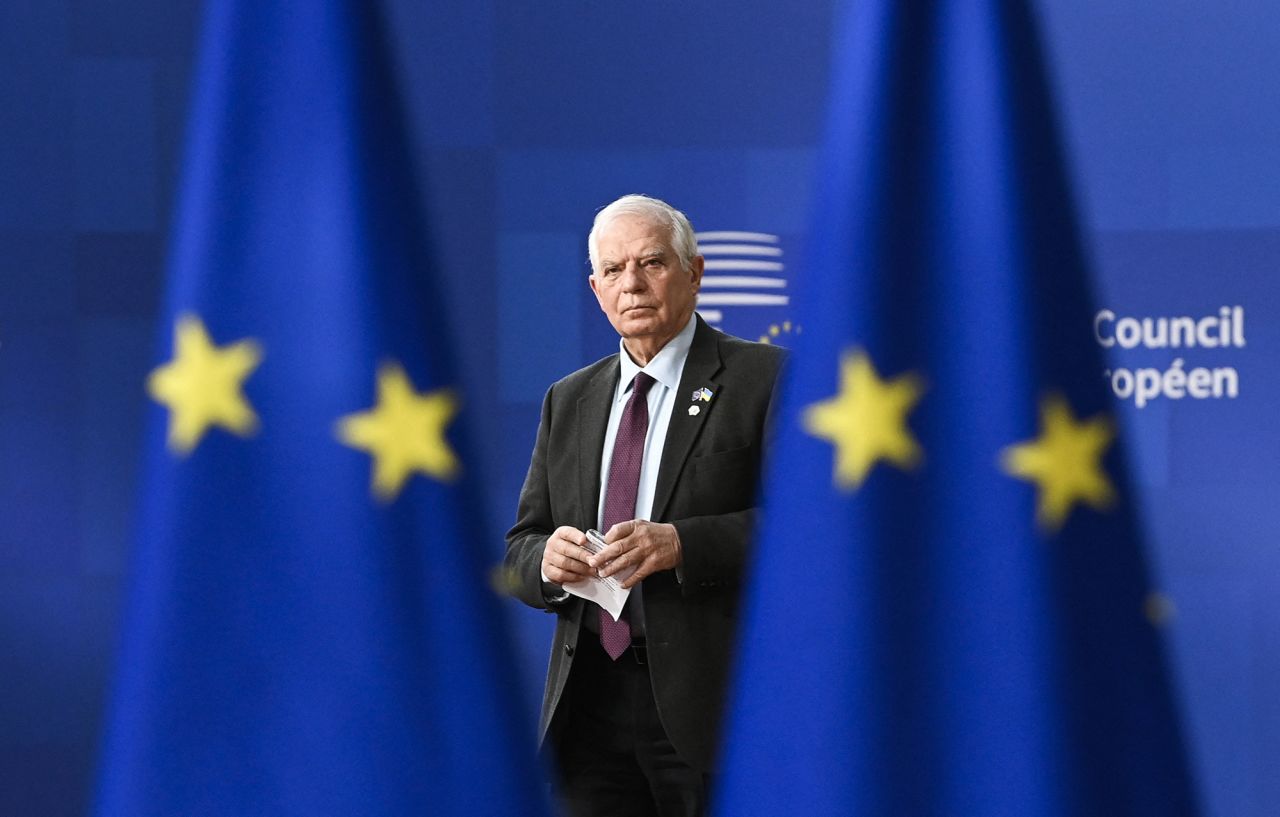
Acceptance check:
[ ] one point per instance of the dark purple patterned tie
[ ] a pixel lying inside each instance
(620, 494)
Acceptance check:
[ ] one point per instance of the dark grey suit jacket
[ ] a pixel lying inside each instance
(706, 487)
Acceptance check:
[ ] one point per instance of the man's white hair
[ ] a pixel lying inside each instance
(657, 211)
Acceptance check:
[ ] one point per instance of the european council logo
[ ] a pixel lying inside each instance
(744, 288)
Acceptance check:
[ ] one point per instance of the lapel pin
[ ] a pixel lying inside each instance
(703, 394)
(693, 410)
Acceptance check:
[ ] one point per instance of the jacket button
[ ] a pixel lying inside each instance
(568, 650)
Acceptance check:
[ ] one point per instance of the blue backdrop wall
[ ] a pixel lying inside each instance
(527, 118)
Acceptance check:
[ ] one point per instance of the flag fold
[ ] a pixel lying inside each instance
(950, 611)
(310, 629)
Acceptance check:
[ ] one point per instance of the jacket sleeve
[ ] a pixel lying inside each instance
(528, 537)
(715, 549)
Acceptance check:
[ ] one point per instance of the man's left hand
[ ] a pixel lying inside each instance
(648, 546)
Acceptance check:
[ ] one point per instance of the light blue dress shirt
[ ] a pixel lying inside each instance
(665, 368)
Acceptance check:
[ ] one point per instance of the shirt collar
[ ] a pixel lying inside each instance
(665, 367)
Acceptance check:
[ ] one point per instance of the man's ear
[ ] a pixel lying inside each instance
(591, 279)
(695, 269)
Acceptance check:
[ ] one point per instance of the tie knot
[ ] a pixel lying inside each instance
(640, 385)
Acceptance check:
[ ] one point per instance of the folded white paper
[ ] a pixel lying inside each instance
(607, 592)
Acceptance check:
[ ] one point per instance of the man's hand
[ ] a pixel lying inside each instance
(648, 546)
(564, 559)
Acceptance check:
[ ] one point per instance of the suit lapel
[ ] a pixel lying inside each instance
(700, 369)
(593, 421)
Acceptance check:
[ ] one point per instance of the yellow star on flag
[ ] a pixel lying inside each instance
(403, 433)
(201, 385)
(1065, 462)
(867, 420)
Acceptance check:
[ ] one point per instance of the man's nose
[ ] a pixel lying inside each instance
(632, 279)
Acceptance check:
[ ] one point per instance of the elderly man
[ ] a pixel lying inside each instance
(659, 447)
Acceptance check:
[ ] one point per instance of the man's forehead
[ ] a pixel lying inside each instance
(637, 250)
(635, 235)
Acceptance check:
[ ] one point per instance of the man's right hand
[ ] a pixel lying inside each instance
(564, 559)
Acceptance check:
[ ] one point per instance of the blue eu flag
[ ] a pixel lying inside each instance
(950, 612)
(310, 631)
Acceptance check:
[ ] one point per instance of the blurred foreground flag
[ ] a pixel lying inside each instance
(950, 614)
(310, 631)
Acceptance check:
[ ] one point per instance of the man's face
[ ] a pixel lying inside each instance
(640, 284)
